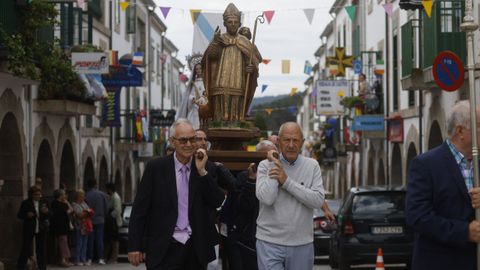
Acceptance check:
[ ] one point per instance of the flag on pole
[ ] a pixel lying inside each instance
(309, 12)
(269, 110)
(380, 67)
(351, 11)
(194, 14)
(307, 69)
(427, 5)
(204, 29)
(266, 61)
(137, 59)
(285, 66)
(165, 11)
(293, 91)
(388, 9)
(264, 87)
(269, 15)
(124, 5)
(113, 57)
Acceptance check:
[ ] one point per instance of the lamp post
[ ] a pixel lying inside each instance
(469, 26)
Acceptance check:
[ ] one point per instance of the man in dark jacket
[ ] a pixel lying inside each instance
(34, 214)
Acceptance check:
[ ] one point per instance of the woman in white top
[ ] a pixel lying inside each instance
(193, 98)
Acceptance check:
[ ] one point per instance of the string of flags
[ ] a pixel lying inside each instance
(389, 7)
(291, 109)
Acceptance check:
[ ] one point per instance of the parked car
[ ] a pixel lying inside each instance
(123, 231)
(371, 218)
(323, 229)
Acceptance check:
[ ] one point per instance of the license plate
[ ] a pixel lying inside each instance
(387, 230)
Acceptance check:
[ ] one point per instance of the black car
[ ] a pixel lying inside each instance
(123, 231)
(323, 229)
(371, 218)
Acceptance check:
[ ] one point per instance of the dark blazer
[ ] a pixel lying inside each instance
(30, 223)
(59, 221)
(439, 210)
(155, 210)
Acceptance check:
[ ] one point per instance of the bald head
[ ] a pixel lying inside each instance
(290, 140)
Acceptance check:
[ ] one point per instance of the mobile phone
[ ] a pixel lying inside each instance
(275, 155)
(199, 155)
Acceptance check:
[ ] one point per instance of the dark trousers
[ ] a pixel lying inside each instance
(95, 243)
(180, 257)
(27, 250)
(248, 256)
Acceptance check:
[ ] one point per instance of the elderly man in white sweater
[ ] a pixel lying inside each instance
(288, 188)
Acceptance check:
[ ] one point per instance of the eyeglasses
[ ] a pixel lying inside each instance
(201, 139)
(184, 140)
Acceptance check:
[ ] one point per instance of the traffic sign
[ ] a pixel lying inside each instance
(448, 71)
(357, 66)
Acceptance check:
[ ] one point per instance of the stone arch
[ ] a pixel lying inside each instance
(118, 183)
(88, 172)
(435, 136)
(11, 171)
(128, 185)
(43, 132)
(45, 168)
(102, 173)
(411, 153)
(396, 166)
(65, 135)
(381, 179)
(68, 173)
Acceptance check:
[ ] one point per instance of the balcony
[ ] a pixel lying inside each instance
(63, 107)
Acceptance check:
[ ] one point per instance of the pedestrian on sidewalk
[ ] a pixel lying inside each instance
(60, 225)
(35, 216)
(97, 200)
(83, 226)
(171, 220)
(441, 199)
(288, 189)
(113, 221)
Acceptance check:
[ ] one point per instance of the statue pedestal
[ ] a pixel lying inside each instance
(227, 147)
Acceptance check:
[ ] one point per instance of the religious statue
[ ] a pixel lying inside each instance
(230, 69)
(194, 97)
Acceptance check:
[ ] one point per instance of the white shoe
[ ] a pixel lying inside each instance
(101, 262)
(88, 263)
(79, 264)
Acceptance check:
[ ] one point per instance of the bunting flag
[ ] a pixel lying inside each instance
(313, 106)
(163, 58)
(111, 108)
(388, 8)
(427, 5)
(309, 12)
(194, 14)
(380, 67)
(264, 87)
(292, 109)
(351, 12)
(204, 30)
(113, 57)
(137, 59)
(307, 69)
(293, 91)
(269, 110)
(165, 11)
(124, 5)
(285, 66)
(266, 61)
(269, 15)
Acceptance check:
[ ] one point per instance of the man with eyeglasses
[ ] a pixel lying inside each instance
(289, 186)
(170, 224)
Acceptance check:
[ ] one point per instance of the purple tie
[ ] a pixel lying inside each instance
(182, 189)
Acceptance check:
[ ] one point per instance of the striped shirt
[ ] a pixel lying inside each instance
(465, 165)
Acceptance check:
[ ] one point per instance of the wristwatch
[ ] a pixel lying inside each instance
(203, 172)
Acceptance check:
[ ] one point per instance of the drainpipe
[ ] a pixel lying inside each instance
(387, 93)
(31, 173)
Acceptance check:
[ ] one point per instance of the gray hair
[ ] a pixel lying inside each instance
(284, 125)
(459, 116)
(178, 122)
(265, 144)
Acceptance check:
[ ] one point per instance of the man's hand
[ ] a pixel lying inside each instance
(278, 173)
(216, 35)
(475, 197)
(328, 213)
(136, 257)
(250, 69)
(252, 172)
(200, 163)
(474, 231)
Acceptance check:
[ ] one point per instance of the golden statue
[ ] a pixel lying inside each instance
(230, 65)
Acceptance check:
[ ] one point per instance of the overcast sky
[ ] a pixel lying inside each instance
(289, 36)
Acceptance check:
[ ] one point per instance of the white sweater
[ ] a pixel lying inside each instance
(286, 213)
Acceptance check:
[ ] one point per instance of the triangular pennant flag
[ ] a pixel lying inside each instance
(124, 5)
(312, 106)
(388, 8)
(165, 11)
(194, 14)
(285, 66)
(314, 92)
(427, 5)
(269, 15)
(269, 110)
(291, 109)
(266, 61)
(309, 12)
(307, 69)
(293, 91)
(264, 87)
(351, 12)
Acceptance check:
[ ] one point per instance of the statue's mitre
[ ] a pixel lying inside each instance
(231, 11)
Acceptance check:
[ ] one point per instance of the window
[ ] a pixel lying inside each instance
(131, 17)
(388, 203)
(450, 16)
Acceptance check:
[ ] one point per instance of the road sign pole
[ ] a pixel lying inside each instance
(469, 26)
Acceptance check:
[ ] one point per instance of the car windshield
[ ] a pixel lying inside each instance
(370, 203)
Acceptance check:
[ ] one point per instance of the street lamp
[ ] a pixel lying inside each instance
(469, 26)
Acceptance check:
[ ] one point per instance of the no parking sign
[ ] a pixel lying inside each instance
(448, 71)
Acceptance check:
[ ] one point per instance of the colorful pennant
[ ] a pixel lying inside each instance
(388, 8)
(307, 69)
(351, 10)
(269, 110)
(264, 87)
(285, 66)
(427, 5)
(269, 15)
(165, 11)
(266, 61)
(124, 5)
(292, 109)
(293, 91)
(309, 12)
(137, 59)
(194, 14)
